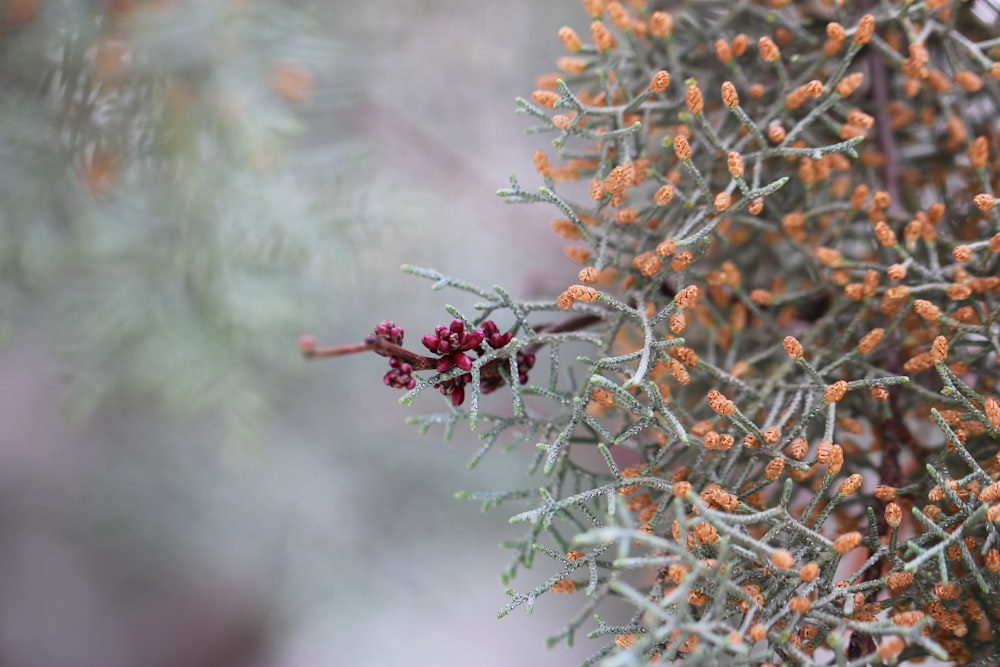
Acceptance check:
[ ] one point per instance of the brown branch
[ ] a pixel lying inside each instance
(891, 168)
(419, 362)
(372, 343)
(893, 435)
(574, 323)
(309, 350)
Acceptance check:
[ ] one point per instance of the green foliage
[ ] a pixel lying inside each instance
(769, 423)
(161, 196)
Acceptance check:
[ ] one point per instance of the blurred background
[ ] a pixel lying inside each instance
(187, 186)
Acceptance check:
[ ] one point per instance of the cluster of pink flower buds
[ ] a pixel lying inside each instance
(453, 345)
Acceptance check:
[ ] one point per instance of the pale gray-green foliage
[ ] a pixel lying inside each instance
(723, 579)
(189, 275)
(576, 505)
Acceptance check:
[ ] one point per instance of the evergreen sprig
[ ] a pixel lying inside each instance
(770, 425)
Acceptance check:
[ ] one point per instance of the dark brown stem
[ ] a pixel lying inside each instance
(879, 94)
(574, 323)
(859, 645)
(883, 128)
(895, 433)
(892, 434)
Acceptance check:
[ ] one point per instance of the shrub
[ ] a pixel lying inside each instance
(765, 408)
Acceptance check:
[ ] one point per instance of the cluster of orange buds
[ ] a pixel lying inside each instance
(575, 293)
(714, 496)
(835, 392)
(630, 473)
(898, 581)
(830, 455)
(602, 397)
(850, 485)
(720, 404)
(783, 559)
(847, 542)
(564, 586)
(865, 29)
(799, 95)
(704, 532)
(659, 82)
(648, 263)
(847, 85)
(684, 354)
(793, 347)
(774, 468)
(717, 441)
(769, 51)
(809, 572)
(678, 371)
(828, 256)
(661, 24)
(835, 34)
(893, 515)
(603, 38)
(991, 408)
(694, 100)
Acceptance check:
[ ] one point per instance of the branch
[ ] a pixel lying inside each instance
(372, 343)
(419, 362)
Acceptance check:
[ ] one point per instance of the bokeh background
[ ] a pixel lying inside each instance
(269, 511)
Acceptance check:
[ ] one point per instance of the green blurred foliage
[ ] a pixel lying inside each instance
(168, 205)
